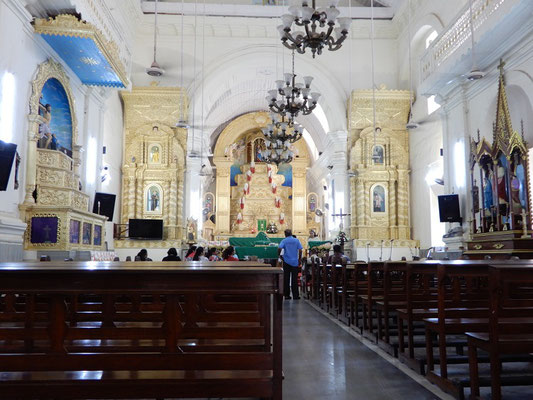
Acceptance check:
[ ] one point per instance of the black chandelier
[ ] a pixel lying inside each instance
(295, 97)
(282, 130)
(312, 18)
(278, 152)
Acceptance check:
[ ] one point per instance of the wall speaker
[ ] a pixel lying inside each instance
(104, 204)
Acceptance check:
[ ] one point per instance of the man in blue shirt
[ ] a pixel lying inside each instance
(292, 257)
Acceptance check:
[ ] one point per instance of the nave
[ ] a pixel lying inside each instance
(323, 361)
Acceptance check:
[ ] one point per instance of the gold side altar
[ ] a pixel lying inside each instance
(154, 161)
(379, 162)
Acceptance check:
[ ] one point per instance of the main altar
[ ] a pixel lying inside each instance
(251, 195)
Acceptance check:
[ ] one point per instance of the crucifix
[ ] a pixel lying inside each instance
(47, 230)
(341, 226)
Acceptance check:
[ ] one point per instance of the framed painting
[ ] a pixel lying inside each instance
(74, 234)
(87, 233)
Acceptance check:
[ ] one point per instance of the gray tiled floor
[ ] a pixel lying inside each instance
(322, 361)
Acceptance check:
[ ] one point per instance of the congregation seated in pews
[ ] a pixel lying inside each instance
(466, 325)
(113, 330)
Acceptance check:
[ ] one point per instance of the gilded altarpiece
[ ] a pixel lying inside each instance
(249, 201)
(379, 165)
(54, 207)
(154, 160)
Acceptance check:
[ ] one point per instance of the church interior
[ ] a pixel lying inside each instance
(375, 134)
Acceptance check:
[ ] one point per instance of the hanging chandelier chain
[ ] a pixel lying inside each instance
(155, 31)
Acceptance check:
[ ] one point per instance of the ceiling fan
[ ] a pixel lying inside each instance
(155, 70)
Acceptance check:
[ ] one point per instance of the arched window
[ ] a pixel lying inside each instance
(431, 37)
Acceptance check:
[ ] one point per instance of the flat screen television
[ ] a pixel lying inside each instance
(7, 155)
(146, 229)
(449, 210)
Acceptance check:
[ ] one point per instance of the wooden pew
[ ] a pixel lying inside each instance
(359, 287)
(140, 330)
(510, 328)
(462, 305)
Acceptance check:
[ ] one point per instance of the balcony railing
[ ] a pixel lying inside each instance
(452, 38)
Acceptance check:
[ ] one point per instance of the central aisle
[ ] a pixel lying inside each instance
(322, 361)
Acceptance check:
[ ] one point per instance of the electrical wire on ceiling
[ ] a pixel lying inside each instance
(193, 153)
(373, 68)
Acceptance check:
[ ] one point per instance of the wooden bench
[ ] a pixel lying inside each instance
(510, 329)
(140, 330)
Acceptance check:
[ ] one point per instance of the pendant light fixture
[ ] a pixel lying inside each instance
(155, 70)
(295, 98)
(410, 123)
(312, 20)
(475, 73)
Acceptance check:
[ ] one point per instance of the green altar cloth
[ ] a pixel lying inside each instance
(260, 252)
(260, 239)
(316, 243)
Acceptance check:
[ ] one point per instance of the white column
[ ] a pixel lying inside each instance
(193, 189)
(338, 164)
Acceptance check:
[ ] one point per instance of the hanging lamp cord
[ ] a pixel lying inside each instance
(373, 71)
(155, 32)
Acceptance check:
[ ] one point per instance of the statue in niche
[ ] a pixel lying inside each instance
(378, 199)
(47, 139)
(153, 202)
(312, 203)
(192, 230)
(154, 155)
(377, 154)
(208, 206)
(259, 150)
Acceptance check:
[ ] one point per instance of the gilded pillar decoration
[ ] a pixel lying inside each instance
(31, 157)
(380, 162)
(155, 156)
(299, 191)
(223, 196)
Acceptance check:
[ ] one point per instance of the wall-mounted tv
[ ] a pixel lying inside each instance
(151, 229)
(449, 208)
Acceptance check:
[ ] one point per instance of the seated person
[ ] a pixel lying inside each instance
(190, 253)
(212, 254)
(142, 256)
(337, 256)
(172, 255)
(229, 254)
(199, 255)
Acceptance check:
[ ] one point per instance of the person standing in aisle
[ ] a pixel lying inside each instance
(292, 257)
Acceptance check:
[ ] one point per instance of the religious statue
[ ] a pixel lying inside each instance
(377, 155)
(312, 203)
(48, 140)
(154, 155)
(378, 199)
(192, 230)
(153, 199)
(259, 150)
